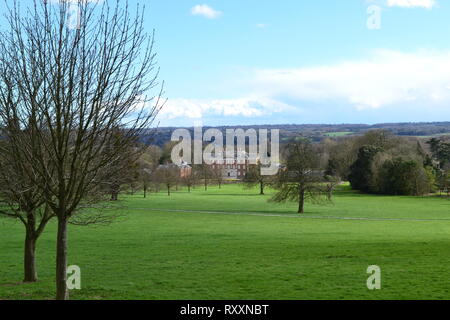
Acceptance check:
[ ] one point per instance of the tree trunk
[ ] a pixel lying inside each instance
(301, 202)
(330, 193)
(30, 257)
(261, 188)
(168, 191)
(61, 260)
(145, 192)
(115, 189)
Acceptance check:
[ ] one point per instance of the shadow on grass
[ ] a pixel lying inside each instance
(233, 194)
(17, 284)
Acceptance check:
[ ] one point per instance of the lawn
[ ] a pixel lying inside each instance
(187, 247)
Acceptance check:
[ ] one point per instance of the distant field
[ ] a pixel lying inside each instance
(232, 244)
(437, 135)
(338, 134)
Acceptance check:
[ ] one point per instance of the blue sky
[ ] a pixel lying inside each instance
(236, 62)
(301, 61)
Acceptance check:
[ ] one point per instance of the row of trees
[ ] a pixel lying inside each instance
(376, 162)
(152, 178)
(301, 179)
(379, 162)
(73, 106)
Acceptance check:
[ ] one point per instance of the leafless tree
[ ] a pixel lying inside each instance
(125, 170)
(148, 163)
(145, 175)
(23, 201)
(204, 173)
(217, 174)
(168, 175)
(330, 183)
(189, 180)
(302, 179)
(253, 178)
(67, 91)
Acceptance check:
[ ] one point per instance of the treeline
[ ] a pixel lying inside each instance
(380, 162)
(154, 172)
(376, 162)
(318, 132)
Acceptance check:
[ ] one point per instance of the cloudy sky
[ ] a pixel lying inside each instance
(240, 62)
(301, 61)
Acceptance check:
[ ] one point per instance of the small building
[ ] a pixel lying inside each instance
(233, 169)
(184, 169)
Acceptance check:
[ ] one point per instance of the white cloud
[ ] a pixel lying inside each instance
(244, 107)
(205, 11)
(412, 3)
(261, 25)
(386, 78)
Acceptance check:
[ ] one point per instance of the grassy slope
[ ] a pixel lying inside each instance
(166, 255)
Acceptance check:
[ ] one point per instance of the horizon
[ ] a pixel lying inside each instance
(316, 124)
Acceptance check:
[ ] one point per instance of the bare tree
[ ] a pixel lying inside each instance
(123, 171)
(168, 175)
(189, 180)
(148, 162)
(331, 182)
(146, 178)
(253, 178)
(217, 174)
(24, 202)
(301, 181)
(204, 173)
(68, 90)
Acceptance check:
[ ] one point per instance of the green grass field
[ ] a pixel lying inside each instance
(233, 244)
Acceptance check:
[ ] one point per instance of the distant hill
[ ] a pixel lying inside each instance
(318, 132)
